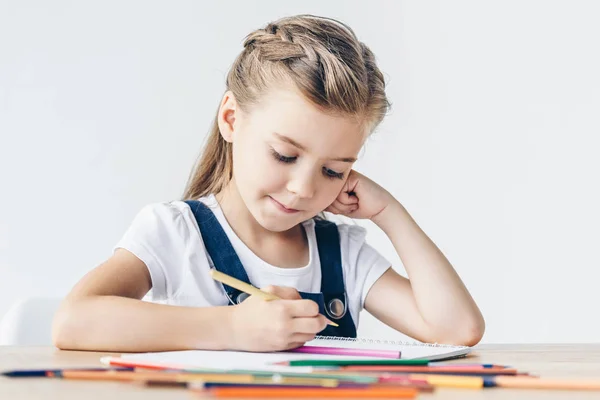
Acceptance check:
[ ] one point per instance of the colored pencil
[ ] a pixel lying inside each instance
(334, 374)
(453, 381)
(520, 382)
(247, 288)
(453, 364)
(261, 393)
(433, 370)
(341, 351)
(343, 363)
(543, 383)
(178, 377)
(32, 373)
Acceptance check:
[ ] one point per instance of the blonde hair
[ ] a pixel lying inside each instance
(320, 56)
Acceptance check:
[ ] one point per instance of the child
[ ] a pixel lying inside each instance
(301, 99)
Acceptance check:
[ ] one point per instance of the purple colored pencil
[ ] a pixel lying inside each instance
(339, 351)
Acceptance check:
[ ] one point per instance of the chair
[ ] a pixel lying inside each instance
(29, 322)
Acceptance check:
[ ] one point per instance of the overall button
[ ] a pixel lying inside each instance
(336, 308)
(241, 297)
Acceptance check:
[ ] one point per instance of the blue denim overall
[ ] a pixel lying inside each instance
(332, 300)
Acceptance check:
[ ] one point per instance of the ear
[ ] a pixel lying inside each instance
(226, 116)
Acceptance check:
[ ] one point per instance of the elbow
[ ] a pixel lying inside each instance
(468, 333)
(62, 335)
(464, 333)
(472, 335)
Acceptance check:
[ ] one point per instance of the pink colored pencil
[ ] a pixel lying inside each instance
(339, 351)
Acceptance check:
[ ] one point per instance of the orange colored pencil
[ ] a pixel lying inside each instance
(131, 376)
(421, 369)
(152, 376)
(263, 393)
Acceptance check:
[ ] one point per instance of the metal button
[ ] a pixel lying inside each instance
(241, 297)
(336, 308)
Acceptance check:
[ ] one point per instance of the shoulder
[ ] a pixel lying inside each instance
(169, 211)
(163, 213)
(164, 221)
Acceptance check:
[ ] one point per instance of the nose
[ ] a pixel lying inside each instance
(302, 184)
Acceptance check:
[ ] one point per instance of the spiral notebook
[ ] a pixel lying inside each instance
(404, 350)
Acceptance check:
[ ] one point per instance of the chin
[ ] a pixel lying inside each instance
(272, 220)
(274, 223)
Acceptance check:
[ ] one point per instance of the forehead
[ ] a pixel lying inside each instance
(288, 113)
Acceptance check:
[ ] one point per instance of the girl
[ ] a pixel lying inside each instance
(301, 99)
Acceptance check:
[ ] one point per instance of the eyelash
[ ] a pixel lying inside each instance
(329, 173)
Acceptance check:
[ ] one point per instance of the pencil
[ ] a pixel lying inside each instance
(543, 383)
(247, 288)
(47, 372)
(453, 381)
(431, 370)
(347, 362)
(166, 377)
(262, 393)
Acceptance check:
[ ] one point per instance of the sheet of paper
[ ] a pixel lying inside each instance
(230, 360)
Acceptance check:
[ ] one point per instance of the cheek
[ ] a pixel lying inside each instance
(329, 192)
(259, 171)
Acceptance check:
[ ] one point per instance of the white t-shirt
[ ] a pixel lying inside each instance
(165, 236)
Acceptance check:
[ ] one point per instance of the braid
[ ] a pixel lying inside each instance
(321, 57)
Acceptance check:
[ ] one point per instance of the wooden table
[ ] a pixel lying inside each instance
(580, 360)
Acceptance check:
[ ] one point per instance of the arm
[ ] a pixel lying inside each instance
(104, 312)
(434, 306)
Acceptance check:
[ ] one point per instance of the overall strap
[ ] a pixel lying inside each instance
(328, 242)
(335, 300)
(218, 246)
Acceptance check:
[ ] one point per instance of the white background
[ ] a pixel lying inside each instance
(492, 144)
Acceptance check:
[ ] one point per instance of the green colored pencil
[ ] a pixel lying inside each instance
(341, 363)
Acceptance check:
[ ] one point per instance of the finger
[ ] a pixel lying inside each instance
(345, 209)
(294, 345)
(346, 199)
(310, 326)
(302, 337)
(333, 209)
(302, 308)
(286, 292)
(283, 292)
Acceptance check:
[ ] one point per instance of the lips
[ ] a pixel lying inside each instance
(283, 207)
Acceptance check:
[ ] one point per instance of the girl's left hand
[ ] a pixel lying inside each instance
(360, 198)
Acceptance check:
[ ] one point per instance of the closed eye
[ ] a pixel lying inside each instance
(328, 173)
(282, 158)
(332, 174)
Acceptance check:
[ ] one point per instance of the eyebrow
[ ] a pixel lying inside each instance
(298, 145)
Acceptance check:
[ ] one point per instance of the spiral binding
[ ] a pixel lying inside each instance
(384, 342)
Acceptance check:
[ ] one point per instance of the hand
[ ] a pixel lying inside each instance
(360, 198)
(276, 325)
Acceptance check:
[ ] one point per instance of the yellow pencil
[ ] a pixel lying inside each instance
(465, 382)
(246, 288)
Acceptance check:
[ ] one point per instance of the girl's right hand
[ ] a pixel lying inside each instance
(275, 325)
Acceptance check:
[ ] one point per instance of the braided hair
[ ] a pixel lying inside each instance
(321, 57)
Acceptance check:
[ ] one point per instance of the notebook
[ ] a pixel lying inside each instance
(407, 350)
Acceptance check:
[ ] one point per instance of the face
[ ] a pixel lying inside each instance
(290, 160)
